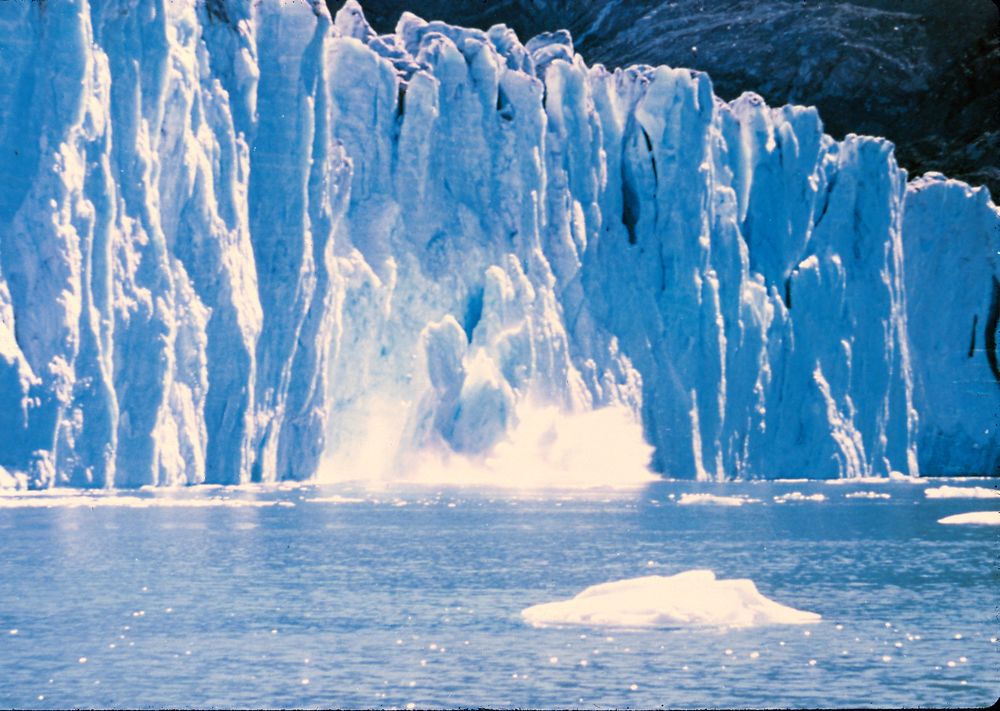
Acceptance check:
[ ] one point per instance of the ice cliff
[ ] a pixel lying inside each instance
(239, 240)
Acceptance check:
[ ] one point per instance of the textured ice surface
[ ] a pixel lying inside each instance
(951, 229)
(694, 598)
(961, 492)
(246, 241)
(980, 518)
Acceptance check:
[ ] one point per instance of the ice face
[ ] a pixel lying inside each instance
(241, 242)
(952, 229)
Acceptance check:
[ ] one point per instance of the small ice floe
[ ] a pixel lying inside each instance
(689, 499)
(961, 492)
(981, 518)
(798, 496)
(867, 495)
(695, 598)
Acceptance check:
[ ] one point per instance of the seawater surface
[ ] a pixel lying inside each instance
(305, 596)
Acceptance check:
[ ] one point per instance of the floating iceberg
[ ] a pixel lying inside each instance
(981, 518)
(246, 241)
(961, 492)
(695, 598)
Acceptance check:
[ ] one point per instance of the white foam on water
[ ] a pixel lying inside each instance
(867, 495)
(961, 492)
(714, 499)
(798, 496)
(695, 598)
(981, 518)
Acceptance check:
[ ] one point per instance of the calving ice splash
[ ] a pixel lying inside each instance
(253, 241)
(546, 448)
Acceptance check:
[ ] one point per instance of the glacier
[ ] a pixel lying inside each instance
(251, 242)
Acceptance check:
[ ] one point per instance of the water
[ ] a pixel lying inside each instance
(413, 597)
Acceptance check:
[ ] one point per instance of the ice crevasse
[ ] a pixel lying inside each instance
(241, 241)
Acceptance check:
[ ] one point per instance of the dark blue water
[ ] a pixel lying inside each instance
(413, 597)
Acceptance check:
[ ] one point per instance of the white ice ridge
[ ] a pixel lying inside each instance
(961, 492)
(974, 518)
(695, 598)
(241, 238)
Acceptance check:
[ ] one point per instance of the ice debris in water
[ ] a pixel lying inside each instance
(961, 492)
(334, 499)
(77, 500)
(867, 495)
(695, 598)
(715, 499)
(798, 496)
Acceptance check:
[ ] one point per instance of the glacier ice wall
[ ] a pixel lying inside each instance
(952, 257)
(240, 241)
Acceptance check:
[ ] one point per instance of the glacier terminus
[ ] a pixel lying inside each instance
(254, 241)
